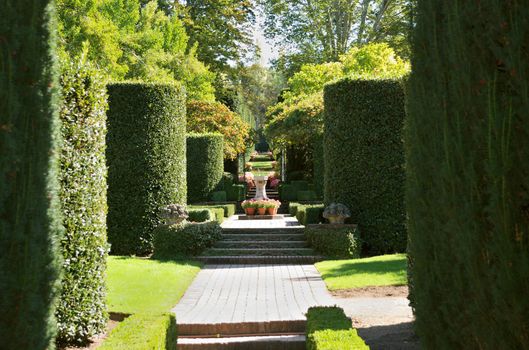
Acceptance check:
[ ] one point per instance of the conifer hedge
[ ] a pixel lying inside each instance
(205, 166)
(30, 218)
(81, 310)
(146, 156)
(364, 158)
(467, 140)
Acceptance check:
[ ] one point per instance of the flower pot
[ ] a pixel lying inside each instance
(250, 211)
(272, 211)
(261, 211)
(336, 219)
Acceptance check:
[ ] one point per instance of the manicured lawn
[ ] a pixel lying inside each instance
(143, 285)
(385, 270)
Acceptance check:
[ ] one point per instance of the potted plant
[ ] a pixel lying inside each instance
(249, 207)
(261, 207)
(336, 213)
(173, 214)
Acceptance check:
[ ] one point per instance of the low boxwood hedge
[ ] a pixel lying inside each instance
(307, 213)
(200, 215)
(335, 241)
(328, 328)
(236, 192)
(143, 332)
(185, 239)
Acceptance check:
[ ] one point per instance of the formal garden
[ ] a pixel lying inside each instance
(264, 174)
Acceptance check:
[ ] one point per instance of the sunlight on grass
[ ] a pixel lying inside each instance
(384, 270)
(144, 285)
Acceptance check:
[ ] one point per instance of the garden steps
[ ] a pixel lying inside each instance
(260, 244)
(275, 342)
(268, 251)
(265, 237)
(260, 260)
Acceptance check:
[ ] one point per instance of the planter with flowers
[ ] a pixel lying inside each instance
(272, 206)
(249, 206)
(262, 207)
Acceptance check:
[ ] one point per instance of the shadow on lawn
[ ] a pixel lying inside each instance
(397, 266)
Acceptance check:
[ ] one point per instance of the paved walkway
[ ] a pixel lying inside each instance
(252, 293)
(286, 221)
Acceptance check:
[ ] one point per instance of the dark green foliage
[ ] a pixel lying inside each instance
(217, 212)
(143, 332)
(364, 158)
(236, 193)
(293, 208)
(30, 216)
(288, 192)
(219, 196)
(200, 215)
(318, 164)
(205, 166)
(228, 179)
(300, 185)
(306, 196)
(146, 156)
(306, 213)
(468, 174)
(228, 208)
(335, 241)
(328, 328)
(186, 239)
(81, 310)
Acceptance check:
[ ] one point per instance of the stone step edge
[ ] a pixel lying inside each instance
(260, 260)
(287, 342)
(241, 328)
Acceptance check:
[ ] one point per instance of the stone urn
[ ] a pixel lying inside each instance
(336, 213)
(173, 214)
(260, 187)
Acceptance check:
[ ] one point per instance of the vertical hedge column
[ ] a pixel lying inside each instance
(81, 311)
(146, 155)
(467, 140)
(364, 158)
(205, 165)
(29, 212)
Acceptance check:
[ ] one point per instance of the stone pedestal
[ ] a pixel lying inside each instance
(260, 187)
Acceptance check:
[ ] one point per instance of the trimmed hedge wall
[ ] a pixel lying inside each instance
(335, 241)
(205, 166)
(318, 163)
(364, 158)
(328, 328)
(143, 332)
(186, 239)
(200, 215)
(146, 156)
(468, 174)
(30, 216)
(81, 310)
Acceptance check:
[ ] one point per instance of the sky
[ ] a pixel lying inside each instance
(268, 51)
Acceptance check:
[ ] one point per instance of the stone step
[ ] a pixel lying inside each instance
(268, 342)
(243, 328)
(259, 260)
(259, 251)
(264, 237)
(262, 230)
(247, 244)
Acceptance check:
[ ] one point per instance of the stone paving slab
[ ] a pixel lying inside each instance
(285, 221)
(268, 296)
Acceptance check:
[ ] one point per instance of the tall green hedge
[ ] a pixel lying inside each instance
(30, 219)
(364, 158)
(205, 166)
(146, 155)
(81, 311)
(467, 138)
(318, 163)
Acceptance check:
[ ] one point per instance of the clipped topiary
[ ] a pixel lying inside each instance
(468, 174)
(30, 216)
(147, 161)
(205, 166)
(364, 158)
(81, 310)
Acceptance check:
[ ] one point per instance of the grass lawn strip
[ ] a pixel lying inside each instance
(147, 286)
(384, 270)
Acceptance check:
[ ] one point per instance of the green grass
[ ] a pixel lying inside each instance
(138, 285)
(384, 270)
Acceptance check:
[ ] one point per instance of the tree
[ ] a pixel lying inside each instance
(322, 31)
(214, 117)
(221, 28)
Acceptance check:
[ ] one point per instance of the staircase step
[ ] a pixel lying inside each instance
(276, 342)
(245, 328)
(247, 244)
(259, 260)
(264, 237)
(270, 231)
(259, 251)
